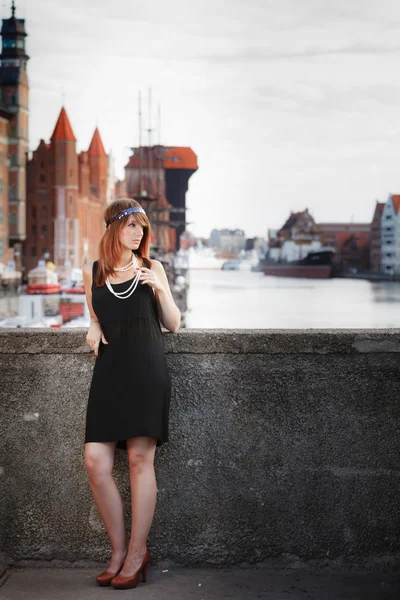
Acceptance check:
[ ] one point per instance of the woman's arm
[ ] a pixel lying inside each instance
(94, 334)
(87, 271)
(169, 313)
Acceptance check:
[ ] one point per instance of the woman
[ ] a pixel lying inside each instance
(128, 407)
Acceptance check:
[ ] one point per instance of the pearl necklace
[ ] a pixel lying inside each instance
(126, 267)
(124, 295)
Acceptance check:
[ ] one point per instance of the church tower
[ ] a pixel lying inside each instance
(14, 91)
(65, 182)
(98, 164)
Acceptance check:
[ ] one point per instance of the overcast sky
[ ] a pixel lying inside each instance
(287, 104)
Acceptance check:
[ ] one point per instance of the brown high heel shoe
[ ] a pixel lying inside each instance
(122, 582)
(106, 576)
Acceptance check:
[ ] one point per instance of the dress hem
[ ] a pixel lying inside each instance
(121, 443)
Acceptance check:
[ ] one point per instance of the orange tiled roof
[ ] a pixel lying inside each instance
(180, 157)
(96, 147)
(174, 157)
(63, 129)
(396, 202)
(149, 155)
(361, 239)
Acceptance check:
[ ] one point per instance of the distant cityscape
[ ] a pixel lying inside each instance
(53, 199)
(358, 247)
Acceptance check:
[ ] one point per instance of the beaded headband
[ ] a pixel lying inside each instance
(124, 213)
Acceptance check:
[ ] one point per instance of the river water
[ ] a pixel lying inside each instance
(252, 300)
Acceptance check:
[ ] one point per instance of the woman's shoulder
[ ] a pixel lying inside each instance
(87, 268)
(155, 263)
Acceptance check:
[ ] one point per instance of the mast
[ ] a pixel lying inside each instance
(159, 153)
(149, 148)
(140, 144)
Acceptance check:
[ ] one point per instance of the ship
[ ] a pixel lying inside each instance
(316, 264)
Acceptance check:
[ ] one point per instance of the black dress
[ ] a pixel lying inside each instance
(131, 387)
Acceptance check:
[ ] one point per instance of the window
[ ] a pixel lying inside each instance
(1, 248)
(20, 44)
(1, 185)
(44, 231)
(34, 212)
(13, 160)
(13, 194)
(13, 100)
(13, 219)
(44, 211)
(33, 251)
(42, 178)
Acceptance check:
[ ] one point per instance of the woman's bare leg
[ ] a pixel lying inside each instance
(141, 451)
(99, 463)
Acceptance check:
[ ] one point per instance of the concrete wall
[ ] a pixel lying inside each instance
(282, 443)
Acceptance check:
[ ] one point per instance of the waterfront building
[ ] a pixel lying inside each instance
(14, 126)
(375, 256)
(300, 234)
(228, 240)
(296, 237)
(351, 242)
(300, 227)
(390, 235)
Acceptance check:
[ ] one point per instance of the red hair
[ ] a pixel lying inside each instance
(110, 247)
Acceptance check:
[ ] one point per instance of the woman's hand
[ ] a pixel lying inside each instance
(94, 336)
(148, 276)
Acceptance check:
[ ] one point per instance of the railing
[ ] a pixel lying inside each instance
(282, 443)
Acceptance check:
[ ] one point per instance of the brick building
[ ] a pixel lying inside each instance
(158, 177)
(375, 252)
(66, 198)
(351, 242)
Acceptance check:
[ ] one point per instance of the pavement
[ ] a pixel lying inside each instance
(231, 583)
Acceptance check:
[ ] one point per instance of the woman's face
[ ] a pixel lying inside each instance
(131, 234)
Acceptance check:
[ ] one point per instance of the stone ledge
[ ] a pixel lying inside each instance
(215, 341)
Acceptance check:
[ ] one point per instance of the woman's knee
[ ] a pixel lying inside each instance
(141, 453)
(99, 460)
